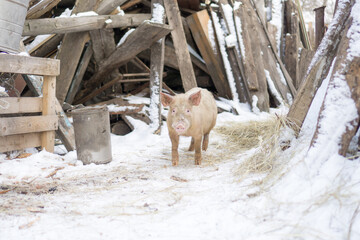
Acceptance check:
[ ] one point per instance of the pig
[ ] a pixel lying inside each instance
(192, 114)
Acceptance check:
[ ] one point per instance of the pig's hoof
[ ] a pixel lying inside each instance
(175, 163)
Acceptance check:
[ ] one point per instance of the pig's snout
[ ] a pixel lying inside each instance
(180, 127)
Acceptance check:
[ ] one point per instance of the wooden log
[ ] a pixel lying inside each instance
(80, 24)
(304, 33)
(29, 65)
(48, 109)
(180, 44)
(10, 105)
(156, 68)
(29, 124)
(319, 66)
(144, 36)
(18, 142)
(198, 23)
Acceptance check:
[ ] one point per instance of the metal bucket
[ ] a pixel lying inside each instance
(12, 18)
(92, 134)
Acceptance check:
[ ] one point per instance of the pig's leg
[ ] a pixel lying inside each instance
(197, 144)
(205, 142)
(174, 149)
(191, 147)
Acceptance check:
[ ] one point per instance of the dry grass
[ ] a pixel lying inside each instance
(263, 137)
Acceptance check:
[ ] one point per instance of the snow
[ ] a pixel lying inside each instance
(122, 40)
(158, 13)
(37, 40)
(277, 20)
(108, 21)
(272, 88)
(139, 195)
(85, 14)
(211, 33)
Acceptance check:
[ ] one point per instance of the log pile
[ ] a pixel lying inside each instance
(110, 49)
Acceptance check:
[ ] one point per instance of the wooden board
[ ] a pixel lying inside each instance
(69, 54)
(198, 23)
(144, 36)
(156, 73)
(29, 65)
(20, 105)
(180, 44)
(19, 125)
(80, 24)
(48, 109)
(18, 142)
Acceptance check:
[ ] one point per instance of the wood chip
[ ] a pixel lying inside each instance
(179, 179)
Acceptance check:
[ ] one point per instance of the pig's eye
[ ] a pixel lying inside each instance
(173, 111)
(188, 110)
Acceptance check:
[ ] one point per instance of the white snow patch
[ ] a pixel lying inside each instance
(254, 106)
(211, 33)
(272, 88)
(122, 40)
(158, 13)
(85, 14)
(108, 21)
(277, 21)
(240, 37)
(37, 40)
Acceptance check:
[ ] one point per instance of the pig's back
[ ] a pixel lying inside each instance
(207, 109)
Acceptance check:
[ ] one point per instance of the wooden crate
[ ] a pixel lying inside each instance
(29, 131)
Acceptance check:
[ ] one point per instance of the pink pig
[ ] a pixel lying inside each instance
(191, 114)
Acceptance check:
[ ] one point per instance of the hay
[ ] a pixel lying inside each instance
(263, 138)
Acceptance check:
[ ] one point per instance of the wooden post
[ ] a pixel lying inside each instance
(47, 138)
(180, 44)
(156, 68)
(319, 25)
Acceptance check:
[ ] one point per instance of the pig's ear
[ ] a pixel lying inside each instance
(195, 98)
(166, 99)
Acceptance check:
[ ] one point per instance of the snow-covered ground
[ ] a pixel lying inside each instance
(139, 195)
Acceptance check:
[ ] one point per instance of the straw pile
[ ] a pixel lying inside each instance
(261, 141)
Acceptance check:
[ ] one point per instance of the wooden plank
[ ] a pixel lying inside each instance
(48, 47)
(107, 6)
(198, 23)
(247, 56)
(180, 44)
(305, 58)
(20, 105)
(79, 74)
(41, 8)
(144, 36)
(103, 44)
(304, 33)
(29, 65)
(156, 69)
(259, 89)
(48, 137)
(69, 55)
(287, 77)
(71, 49)
(66, 131)
(18, 142)
(319, 67)
(29, 124)
(80, 24)
(291, 57)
